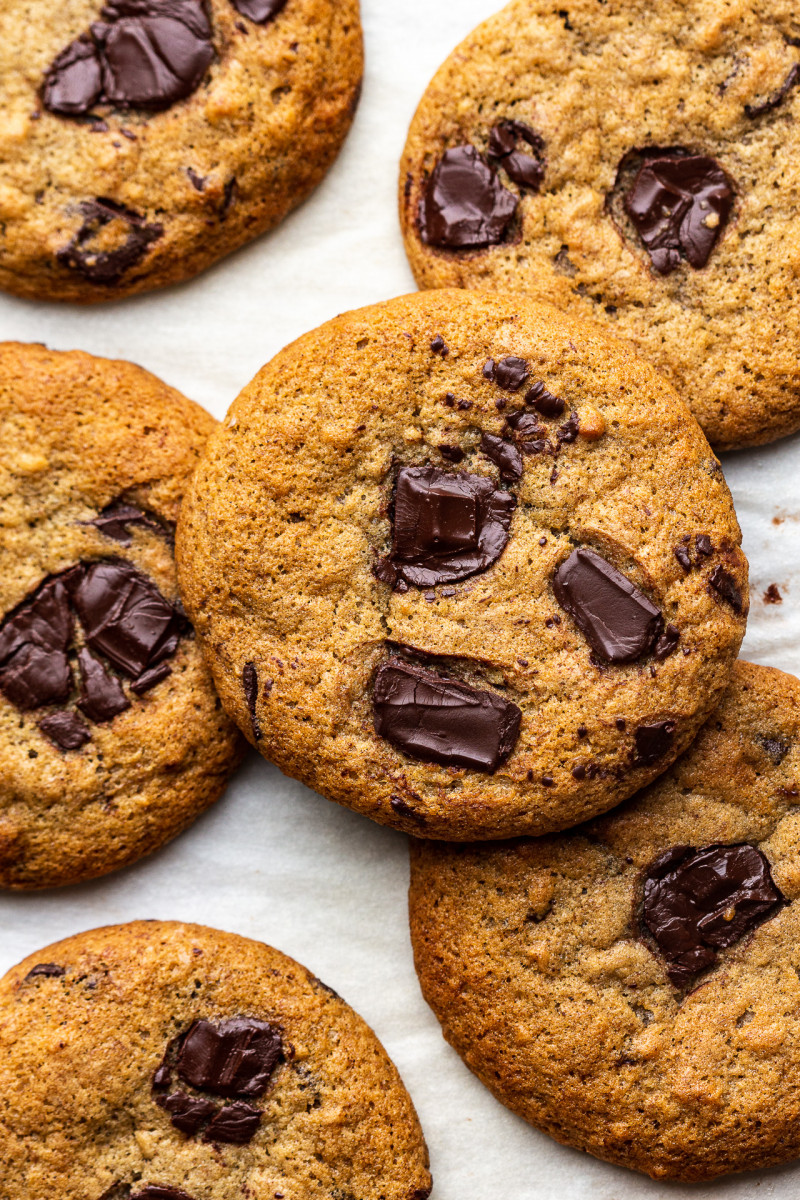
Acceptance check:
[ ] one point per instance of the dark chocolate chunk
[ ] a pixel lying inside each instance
(125, 617)
(698, 902)
(703, 545)
(259, 11)
(234, 1058)
(509, 373)
(140, 54)
(682, 555)
(504, 455)
(453, 454)
(187, 1113)
(726, 586)
(464, 205)
(544, 402)
(568, 432)
(250, 685)
(102, 697)
(668, 642)
(524, 169)
(439, 347)
(116, 518)
(149, 679)
(446, 526)
(43, 619)
(525, 425)
(35, 677)
(198, 182)
(65, 730)
(619, 622)
(157, 1191)
(403, 809)
(235, 1124)
(652, 742)
(46, 971)
(442, 720)
(680, 205)
(106, 267)
(777, 98)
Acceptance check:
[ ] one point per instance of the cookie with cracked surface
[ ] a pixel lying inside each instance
(142, 140)
(112, 738)
(633, 164)
(183, 1063)
(465, 565)
(632, 987)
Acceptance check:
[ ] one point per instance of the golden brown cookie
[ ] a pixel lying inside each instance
(465, 565)
(141, 140)
(637, 164)
(632, 987)
(112, 738)
(161, 1061)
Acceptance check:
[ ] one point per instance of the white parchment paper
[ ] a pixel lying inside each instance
(272, 860)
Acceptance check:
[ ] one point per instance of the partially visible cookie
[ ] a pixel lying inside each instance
(632, 987)
(465, 565)
(144, 139)
(112, 738)
(635, 163)
(161, 1061)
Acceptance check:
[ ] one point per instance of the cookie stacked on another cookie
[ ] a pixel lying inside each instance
(465, 565)
(144, 139)
(112, 738)
(634, 163)
(188, 1064)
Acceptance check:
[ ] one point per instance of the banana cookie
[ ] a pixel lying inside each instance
(637, 163)
(464, 564)
(142, 140)
(162, 1061)
(632, 987)
(112, 738)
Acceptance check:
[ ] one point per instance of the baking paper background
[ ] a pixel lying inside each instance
(272, 860)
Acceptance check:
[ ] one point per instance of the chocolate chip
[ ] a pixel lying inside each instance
(125, 617)
(46, 971)
(618, 621)
(236, 1057)
(544, 402)
(198, 182)
(102, 697)
(235, 1124)
(777, 98)
(115, 519)
(259, 11)
(443, 720)
(698, 902)
(156, 1191)
(504, 455)
(682, 555)
(464, 205)
(502, 139)
(446, 526)
(65, 730)
(679, 205)
(187, 1113)
(250, 685)
(43, 619)
(106, 267)
(509, 373)
(149, 679)
(140, 54)
(524, 169)
(703, 545)
(667, 643)
(34, 677)
(725, 586)
(652, 742)
(453, 454)
(775, 748)
(399, 805)
(439, 347)
(568, 432)
(525, 425)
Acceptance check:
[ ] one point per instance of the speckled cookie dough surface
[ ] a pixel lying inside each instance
(465, 565)
(112, 738)
(635, 163)
(161, 1061)
(632, 987)
(144, 139)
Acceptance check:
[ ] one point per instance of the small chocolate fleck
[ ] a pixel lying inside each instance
(776, 748)
(46, 971)
(777, 98)
(667, 642)
(198, 182)
(726, 586)
(250, 685)
(652, 742)
(772, 595)
(620, 623)
(403, 809)
(438, 346)
(464, 204)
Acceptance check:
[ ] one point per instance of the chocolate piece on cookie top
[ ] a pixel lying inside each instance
(464, 205)
(620, 623)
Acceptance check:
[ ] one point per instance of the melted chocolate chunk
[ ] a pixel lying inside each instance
(698, 902)
(157, 1191)
(442, 720)
(446, 526)
(544, 402)
(259, 11)
(667, 643)
(116, 518)
(43, 620)
(149, 679)
(776, 749)
(524, 169)
(652, 742)
(235, 1124)
(106, 267)
(250, 685)
(140, 54)
(46, 971)
(34, 677)
(234, 1058)
(726, 586)
(464, 205)
(453, 454)
(187, 1113)
(619, 622)
(504, 455)
(439, 347)
(682, 555)
(777, 98)
(125, 617)
(65, 730)
(509, 373)
(102, 697)
(680, 205)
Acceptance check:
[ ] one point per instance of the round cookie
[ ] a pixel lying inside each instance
(162, 1061)
(465, 565)
(112, 738)
(633, 163)
(632, 987)
(144, 139)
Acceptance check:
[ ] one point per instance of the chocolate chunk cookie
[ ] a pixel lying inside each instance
(161, 1061)
(112, 738)
(632, 987)
(144, 139)
(465, 565)
(635, 163)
